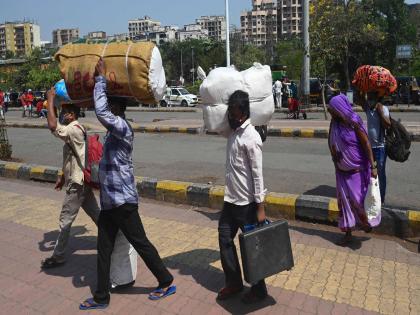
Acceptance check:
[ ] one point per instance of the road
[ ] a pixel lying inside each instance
(301, 166)
(147, 117)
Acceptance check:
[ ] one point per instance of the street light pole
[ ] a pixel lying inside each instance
(306, 57)
(192, 62)
(227, 34)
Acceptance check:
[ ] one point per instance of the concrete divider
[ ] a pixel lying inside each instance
(397, 222)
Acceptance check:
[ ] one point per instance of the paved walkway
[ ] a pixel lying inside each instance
(374, 276)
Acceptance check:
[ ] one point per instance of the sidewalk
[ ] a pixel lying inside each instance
(374, 276)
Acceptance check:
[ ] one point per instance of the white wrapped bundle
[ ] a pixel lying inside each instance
(222, 82)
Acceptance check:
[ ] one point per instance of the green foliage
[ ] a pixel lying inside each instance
(289, 53)
(245, 56)
(194, 88)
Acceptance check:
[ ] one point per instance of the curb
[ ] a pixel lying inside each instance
(401, 223)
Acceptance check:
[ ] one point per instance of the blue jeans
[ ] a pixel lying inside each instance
(380, 157)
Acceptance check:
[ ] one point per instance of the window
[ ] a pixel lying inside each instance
(175, 92)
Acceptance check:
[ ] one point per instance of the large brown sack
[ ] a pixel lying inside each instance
(132, 70)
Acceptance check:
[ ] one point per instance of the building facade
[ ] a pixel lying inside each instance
(96, 35)
(20, 38)
(141, 27)
(216, 26)
(289, 18)
(192, 31)
(62, 37)
(259, 26)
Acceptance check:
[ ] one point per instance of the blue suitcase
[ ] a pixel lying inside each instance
(265, 251)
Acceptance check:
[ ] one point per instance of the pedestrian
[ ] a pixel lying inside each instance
(244, 195)
(119, 199)
(22, 99)
(79, 194)
(2, 95)
(277, 87)
(378, 120)
(29, 102)
(354, 165)
(7, 100)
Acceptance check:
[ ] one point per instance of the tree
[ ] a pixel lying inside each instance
(245, 56)
(338, 29)
(289, 53)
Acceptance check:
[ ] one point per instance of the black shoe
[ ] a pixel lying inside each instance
(122, 286)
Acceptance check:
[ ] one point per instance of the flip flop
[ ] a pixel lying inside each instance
(161, 293)
(92, 305)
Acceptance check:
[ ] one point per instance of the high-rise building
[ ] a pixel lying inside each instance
(141, 27)
(289, 17)
(216, 26)
(62, 37)
(259, 26)
(20, 38)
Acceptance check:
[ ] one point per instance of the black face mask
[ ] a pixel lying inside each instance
(234, 124)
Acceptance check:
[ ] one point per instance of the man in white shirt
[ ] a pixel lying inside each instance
(244, 195)
(277, 92)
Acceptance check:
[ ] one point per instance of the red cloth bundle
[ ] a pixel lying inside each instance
(374, 78)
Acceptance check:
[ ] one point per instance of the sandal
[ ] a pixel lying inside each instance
(160, 293)
(52, 262)
(90, 304)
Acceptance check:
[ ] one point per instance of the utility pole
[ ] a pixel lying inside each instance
(192, 62)
(306, 57)
(227, 34)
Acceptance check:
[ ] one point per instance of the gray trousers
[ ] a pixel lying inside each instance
(124, 257)
(77, 197)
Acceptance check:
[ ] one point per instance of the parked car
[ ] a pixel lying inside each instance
(178, 96)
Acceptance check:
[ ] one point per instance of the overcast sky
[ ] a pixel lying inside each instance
(112, 16)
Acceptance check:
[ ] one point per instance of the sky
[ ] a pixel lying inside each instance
(112, 16)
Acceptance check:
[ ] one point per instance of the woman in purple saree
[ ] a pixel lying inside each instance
(354, 165)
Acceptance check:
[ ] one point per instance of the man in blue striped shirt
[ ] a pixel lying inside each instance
(119, 199)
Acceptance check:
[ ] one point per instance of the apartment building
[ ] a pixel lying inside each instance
(289, 18)
(216, 26)
(62, 37)
(101, 35)
(140, 27)
(192, 31)
(20, 38)
(259, 26)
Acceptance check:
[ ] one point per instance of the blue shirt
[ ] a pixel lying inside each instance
(116, 174)
(376, 132)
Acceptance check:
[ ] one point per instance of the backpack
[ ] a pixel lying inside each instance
(397, 142)
(93, 155)
(262, 130)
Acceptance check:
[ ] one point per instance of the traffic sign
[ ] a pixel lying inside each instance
(404, 51)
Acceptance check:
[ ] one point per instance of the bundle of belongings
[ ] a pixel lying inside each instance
(133, 70)
(374, 78)
(222, 82)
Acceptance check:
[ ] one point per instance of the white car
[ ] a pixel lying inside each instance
(178, 96)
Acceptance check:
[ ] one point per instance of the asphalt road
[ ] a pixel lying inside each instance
(290, 165)
(143, 117)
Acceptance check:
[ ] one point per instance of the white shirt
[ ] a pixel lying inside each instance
(244, 169)
(277, 87)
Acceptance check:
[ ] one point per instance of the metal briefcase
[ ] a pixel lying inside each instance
(266, 251)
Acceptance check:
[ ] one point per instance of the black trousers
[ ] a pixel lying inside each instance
(127, 219)
(232, 219)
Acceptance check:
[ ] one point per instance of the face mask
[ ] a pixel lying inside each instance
(371, 103)
(234, 124)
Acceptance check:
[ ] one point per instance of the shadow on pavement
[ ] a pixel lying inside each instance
(214, 216)
(197, 263)
(322, 190)
(81, 268)
(332, 237)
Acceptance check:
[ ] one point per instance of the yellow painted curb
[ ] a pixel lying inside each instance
(11, 169)
(414, 221)
(281, 204)
(37, 172)
(182, 130)
(286, 132)
(307, 133)
(333, 210)
(172, 191)
(164, 129)
(216, 197)
(150, 129)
